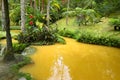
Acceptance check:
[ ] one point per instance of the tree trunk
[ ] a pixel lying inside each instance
(3, 16)
(67, 11)
(35, 6)
(42, 6)
(39, 5)
(31, 3)
(48, 13)
(23, 16)
(8, 55)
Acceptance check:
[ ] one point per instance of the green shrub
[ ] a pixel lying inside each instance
(18, 48)
(114, 21)
(27, 76)
(15, 15)
(99, 40)
(67, 33)
(61, 40)
(44, 36)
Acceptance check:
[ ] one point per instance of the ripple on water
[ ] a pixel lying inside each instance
(60, 71)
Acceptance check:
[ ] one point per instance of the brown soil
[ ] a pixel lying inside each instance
(5, 72)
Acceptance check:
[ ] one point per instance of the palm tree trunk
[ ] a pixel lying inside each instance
(23, 15)
(48, 13)
(39, 4)
(42, 9)
(3, 16)
(67, 11)
(31, 3)
(35, 6)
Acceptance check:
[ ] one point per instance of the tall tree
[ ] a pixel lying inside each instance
(8, 55)
(23, 15)
(67, 11)
(39, 5)
(48, 13)
(35, 6)
(3, 15)
(42, 8)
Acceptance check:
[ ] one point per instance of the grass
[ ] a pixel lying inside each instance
(101, 33)
(15, 28)
(2, 35)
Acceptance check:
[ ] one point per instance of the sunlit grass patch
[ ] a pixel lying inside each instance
(100, 33)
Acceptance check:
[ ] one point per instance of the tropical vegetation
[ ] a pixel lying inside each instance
(44, 22)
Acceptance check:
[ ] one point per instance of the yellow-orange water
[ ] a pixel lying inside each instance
(3, 41)
(81, 62)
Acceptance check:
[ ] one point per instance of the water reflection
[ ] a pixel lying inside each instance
(60, 71)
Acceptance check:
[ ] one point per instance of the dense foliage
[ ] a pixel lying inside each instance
(99, 40)
(43, 36)
(18, 48)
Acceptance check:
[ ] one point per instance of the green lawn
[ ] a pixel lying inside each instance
(101, 33)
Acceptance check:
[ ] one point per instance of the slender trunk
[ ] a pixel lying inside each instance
(42, 6)
(31, 3)
(67, 11)
(39, 4)
(3, 16)
(8, 55)
(48, 13)
(23, 15)
(35, 6)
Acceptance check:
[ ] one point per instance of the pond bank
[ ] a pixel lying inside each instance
(5, 71)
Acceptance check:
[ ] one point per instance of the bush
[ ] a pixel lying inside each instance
(61, 40)
(15, 15)
(27, 76)
(99, 40)
(67, 33)
(18, 48)
(44, 36)
(114, 21)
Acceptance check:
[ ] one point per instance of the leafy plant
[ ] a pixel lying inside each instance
(27, 76)
(15, 15)
(15, 67)
(44, 35)
(67, 33)
(18, 48)
(114, 21)
(87, 37)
